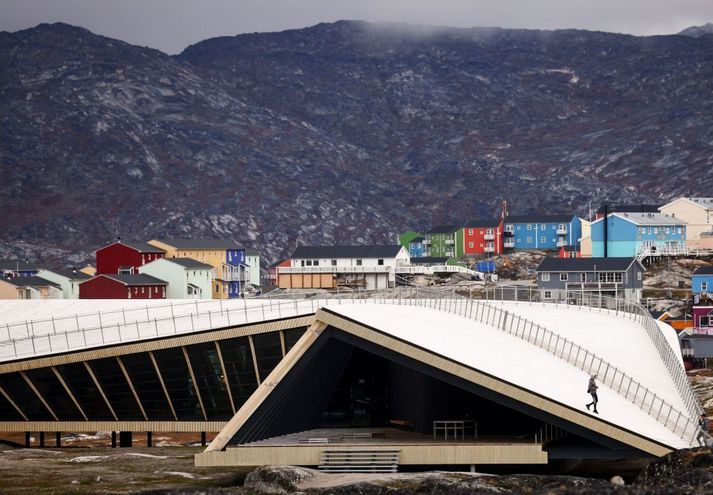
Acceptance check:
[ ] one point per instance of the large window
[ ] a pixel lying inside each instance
(611, 278)
(24, 397)
(545, 277)
(239, 367)
(211, 382)
(54, 394)
(116, 388)
(268, 352)
(179, 384)
(148, 387)
(85, 391)
(292, 336)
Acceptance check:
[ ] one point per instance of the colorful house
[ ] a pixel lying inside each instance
(441, 241)
(68, 280)
(703, 318)
(630, 234)
(186, 277)
(480, 237)
(126, 257)
(29, 287)
(122, 286)
(253, 262)
(585, 242)
(541, 231)
(569, 252)
(272, 271)
(702, 280)
(697, 213)
(415, 247)
(641, 208)
(232, 272)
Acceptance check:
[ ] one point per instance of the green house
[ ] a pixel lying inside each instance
(441, 241)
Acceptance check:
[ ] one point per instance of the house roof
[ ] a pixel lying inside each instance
(200, 243)
(430, 260)
(12, 265)
(559, 218)
(30, 282)
(389, 251)
(443, 229)
(646, 219)
(585, 264)
(704, 270)
(417, 239)
(143, 247)
(640, 208)
(133, 279)
(251, 252)
(706, 203)
(190, 263)
(482, 222)
(70, 274)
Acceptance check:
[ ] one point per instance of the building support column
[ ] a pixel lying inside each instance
(27, 439)
(125, 439)
(113, 439)
(42, 439)
(58, 439)
(203, 442)
(149, 438)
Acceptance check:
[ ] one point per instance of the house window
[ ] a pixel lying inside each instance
(489, 231)
(358, 262)
(470, 231)
(529, 226)
(564, 277)
(572, 254)
(309, 262)
(217, 288)
(638, 275)
(470, 244)
(543, 239)
(548, 294)
(582, 277)
(334, 262)
(650, 230)
(529, 240)
(643, 230)
(302, 262)
(668, 230)
(656, 230)
(315, 263)
(380, 262)
(705, 321)
(680, 230)
(704, 286)
(142, 289)
(545, 277)
(543, 226)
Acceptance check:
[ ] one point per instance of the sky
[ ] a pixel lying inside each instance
(172, 25)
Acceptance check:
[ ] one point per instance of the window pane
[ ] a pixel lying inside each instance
(54, 394)
(268, 352)
(211, 383)
(82, 386)
(24, 397)
(116, 388)
(292, 336)
(239, 366)
(147, 386)
(177, 378)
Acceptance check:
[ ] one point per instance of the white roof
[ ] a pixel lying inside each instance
(706, 203)
(646, 219)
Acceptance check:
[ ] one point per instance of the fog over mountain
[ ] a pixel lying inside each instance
(338, 133)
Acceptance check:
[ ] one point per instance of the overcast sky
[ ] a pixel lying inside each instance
(171, 25)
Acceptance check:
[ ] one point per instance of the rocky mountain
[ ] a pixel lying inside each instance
(698, 31)
(339, 133)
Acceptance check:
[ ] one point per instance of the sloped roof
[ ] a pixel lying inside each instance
(640, 208)
(388, 251)
(200, 243)
(133, 279)
(70, 274)
(417, 239)
(559, 218)
(190, 263)
(585, 264)
(14, 265)
(704, 270)
(143, 247)
(481, 222)
(650, 219)
(30, 282)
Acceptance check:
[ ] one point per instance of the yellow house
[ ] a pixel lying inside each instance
(698, 213)
(29, 288)
(585, 243)
(89, 270)
(226, 257)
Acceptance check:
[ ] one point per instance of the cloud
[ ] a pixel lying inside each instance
(171, 25)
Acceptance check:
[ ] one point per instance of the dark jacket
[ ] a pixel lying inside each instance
(592, 387)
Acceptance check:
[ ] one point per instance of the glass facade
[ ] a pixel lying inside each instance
(143, 375)
(7, 411)
(211, 382)
(268, 352)
(292, 336)
(179, 384)
(116, 388)
(239, 367)
(54, 394)
(85, 391)
(24, 397)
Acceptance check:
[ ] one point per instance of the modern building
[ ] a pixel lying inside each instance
(569, 279)
(186, 277)
(702, 280)
(634, 234)
(697, 213)
(480, 237)
(126, 257)
(68, 280)
(366, 267)
(541, 231)
(16, 268)
(233, 275)
(29, 287)
(122, 286)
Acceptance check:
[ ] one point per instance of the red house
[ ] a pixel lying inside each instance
(122, 286)
(483, 237)
(569, 252)
(272, 272)
(126, 257)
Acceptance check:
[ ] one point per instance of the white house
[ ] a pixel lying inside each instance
(186, 277)
(366, 267)
(252, 259)
(698, 214)
(68, 280)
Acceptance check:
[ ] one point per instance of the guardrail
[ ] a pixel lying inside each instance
(335, 269)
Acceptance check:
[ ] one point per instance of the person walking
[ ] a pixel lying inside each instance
(703, 430)
(592, 390)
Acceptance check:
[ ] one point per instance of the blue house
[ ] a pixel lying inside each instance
(541, 231)
(415, 247)
(703, 280)
(631, 234)
(10, 268)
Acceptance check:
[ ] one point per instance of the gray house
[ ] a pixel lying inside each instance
(571, 278)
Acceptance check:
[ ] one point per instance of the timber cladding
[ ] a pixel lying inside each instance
(414, 454)
(156, 344)
(93, 426)
(492, 383)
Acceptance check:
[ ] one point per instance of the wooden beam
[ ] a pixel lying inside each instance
(9, 399)
(282, 342)
(252, 352)
(69, 392)
(38, 394)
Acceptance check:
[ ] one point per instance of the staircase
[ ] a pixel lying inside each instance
(346, 460)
